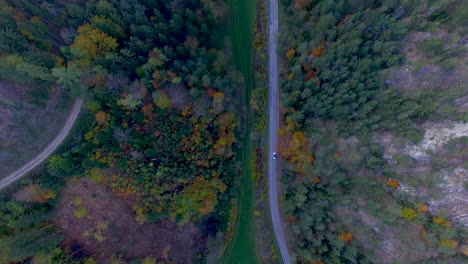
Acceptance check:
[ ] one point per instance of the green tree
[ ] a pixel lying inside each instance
(69, 77)
(58, 165)
(129, 102)
(33, 71)
(161, 99)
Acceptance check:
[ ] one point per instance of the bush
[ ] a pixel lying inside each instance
(81, 212)
(433, 47)
(408, 213)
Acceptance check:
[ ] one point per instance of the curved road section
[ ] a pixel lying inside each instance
(21, 172)
(273, 126)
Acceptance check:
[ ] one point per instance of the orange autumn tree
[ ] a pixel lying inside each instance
(346, 237)
(422, 208)
(295, 148)
(35, 193)
(316, 180)
(310, 75)
(101, 117)
(393, 183)
(318, 51)
(225, 135)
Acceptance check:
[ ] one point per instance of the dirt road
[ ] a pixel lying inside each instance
(21, 172)
(273, 179)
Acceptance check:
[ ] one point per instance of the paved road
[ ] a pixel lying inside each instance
(273, 179)
(21, 172)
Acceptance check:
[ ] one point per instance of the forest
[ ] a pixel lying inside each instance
(345, 181)
(159, 128)
(166, 162)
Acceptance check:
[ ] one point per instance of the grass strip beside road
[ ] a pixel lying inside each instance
(241, 250)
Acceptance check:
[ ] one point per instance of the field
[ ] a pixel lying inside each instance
(242, 247)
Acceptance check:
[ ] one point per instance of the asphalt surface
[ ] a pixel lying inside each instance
(273, 126)
(21, 172)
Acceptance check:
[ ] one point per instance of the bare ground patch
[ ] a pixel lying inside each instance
(102, 225)
(26, 129)
(435, 171)
(389, 244)
(421, 71)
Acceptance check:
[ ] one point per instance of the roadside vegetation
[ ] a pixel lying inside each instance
(265, 238)
(371, 92)
(241, 248)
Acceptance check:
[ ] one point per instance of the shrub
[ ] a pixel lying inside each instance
(96, 175)
(448, 243)
(346, 237)
(433, 46)
(408, 213)
(148, 260)
(464, 250)
(90, 261)
(441, 221)
(80, 212)
(291, 53)
(422, 208)
(393, 183)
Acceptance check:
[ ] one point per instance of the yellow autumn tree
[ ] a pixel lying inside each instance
(408, 213)
(94, 42)
(448, 243)
(290, 54)
(441, 221)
